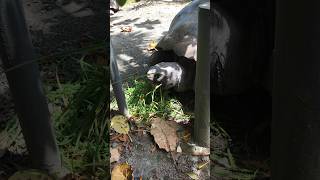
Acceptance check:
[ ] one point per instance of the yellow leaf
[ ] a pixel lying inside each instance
(152, 45)
(30, 174)
(120, 124)
(121, 172)
(201, 165)
(193, 175)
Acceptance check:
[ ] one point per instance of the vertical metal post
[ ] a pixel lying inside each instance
(295, 144)
(25, 86)
(117, 84)
(201, 128)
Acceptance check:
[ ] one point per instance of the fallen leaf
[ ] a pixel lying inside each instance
(152, 46)
(124, 138)
(179, 150)
(193, 175)
(202, 164)
(30, 174)
(120, 124)
(186, 136)
(121, 172)
(201, 151)
(114, 155)
(115, 137)
(173, 124)
(195, 150)
(164, 135)
(126, 29)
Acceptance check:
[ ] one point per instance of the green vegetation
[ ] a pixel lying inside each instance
(82, 128)
(146, 100)
(80, 110)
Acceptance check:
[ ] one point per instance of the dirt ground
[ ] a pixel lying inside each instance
(149, 21)
(56, 27)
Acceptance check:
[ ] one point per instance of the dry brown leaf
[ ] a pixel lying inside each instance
(124, 138)
(173, 124)
(126, 29)
(186, 136)
(115, 137)
(114, 155)
(164, 135)
(121, 172)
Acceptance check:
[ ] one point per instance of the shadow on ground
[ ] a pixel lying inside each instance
(56, 27)
(62, 25)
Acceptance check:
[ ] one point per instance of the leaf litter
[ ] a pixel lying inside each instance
(114, 155)
(164, 135)
(148, 153)
(120, 124)
(121, 172)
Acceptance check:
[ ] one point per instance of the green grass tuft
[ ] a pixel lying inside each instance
(146, 100)
(82, 123)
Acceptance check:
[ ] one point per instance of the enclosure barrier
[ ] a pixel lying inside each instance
(295, 144)
(117, 84)
(26, 88)
(201, 125)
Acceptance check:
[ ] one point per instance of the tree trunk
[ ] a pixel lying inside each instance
(295, 146)
(25, 85)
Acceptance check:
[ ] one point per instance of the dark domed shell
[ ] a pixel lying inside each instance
(183, 31)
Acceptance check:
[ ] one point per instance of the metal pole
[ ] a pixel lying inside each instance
(117, 84)
(201, 128)
(295, 145)
(25, 86)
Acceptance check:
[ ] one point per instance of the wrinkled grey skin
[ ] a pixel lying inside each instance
(114, 7)
(235, 62)
(174, 64)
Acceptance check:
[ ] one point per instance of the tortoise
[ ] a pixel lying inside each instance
(237, 50)
(114, 7)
